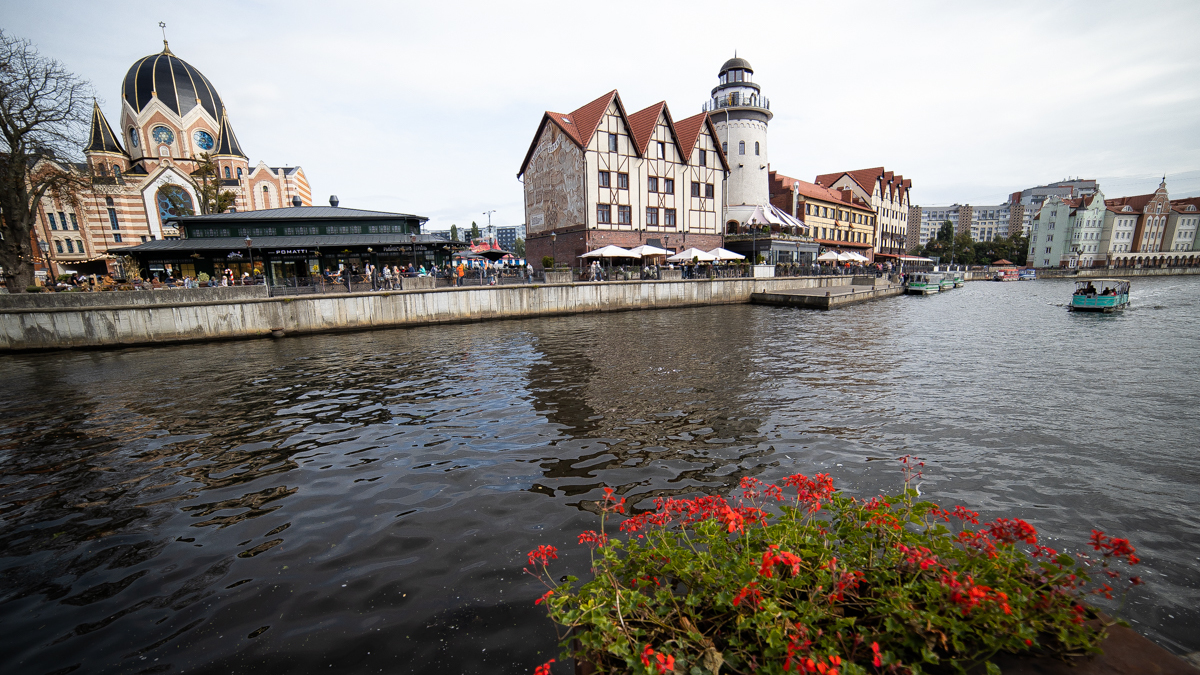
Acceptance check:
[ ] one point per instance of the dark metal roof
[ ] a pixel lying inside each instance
(173, 81)
(227, 142)
(102, 137)
(306, 242)
(305, 213)
(735, 62)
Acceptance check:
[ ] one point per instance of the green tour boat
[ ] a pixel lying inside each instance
(923, 283)
(1100, 295)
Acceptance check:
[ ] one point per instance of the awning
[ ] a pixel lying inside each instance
(295, 242)
(610, 251)
(692, 254)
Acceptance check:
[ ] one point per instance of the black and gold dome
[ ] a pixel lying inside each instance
(173, 81)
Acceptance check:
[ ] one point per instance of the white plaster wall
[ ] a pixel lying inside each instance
(747, 182)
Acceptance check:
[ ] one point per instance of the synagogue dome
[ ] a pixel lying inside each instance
(173, 81)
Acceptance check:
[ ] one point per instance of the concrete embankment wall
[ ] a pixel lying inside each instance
(1118, 272)
(217, 318)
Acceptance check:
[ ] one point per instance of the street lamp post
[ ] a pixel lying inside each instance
(553, 242)
(251, 252)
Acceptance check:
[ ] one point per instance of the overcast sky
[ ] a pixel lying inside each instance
(429, 107)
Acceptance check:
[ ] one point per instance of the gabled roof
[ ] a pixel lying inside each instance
(868, 178)
(1136, 203)
(227, 142)
(642, 123)
(814, 191)
(1182, 205)
(102, 137)
(581, 125)
(688, 133)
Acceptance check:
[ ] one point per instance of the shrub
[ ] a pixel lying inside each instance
(34, 289)
(547, 262)
(797, 577)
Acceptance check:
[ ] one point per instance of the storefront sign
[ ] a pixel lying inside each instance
(234, 254)
(290, 251)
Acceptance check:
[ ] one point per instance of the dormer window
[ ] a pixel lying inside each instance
(227, 173)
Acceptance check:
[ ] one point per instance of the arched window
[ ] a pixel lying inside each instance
(226, 172)
(239, 173)
(173, 201)
(756, 147)
(108, 201)
(741, 147)
(58, 245)
(116, 171)
(70, 246)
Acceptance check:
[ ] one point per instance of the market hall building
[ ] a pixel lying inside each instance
(291, 246)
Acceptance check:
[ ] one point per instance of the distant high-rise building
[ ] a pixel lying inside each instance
(1024, 205)
(507, 237)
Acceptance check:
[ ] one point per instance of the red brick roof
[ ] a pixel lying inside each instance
(581, 125)
(642, 123)
(867, 179)
(813, 191)
(1137, 203)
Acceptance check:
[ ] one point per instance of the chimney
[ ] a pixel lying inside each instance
(296, 201)
(333, 200)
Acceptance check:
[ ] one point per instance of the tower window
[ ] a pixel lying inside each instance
(662, 150)
(741, 147)
(725, 148)
(108, 201)
(58, 245)
(227, 176)
(62, 218)
(756, 147)
(70, 246)
(239, 173)
(53, 223)
(74, 222)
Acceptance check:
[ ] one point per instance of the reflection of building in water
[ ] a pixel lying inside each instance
(645, 400)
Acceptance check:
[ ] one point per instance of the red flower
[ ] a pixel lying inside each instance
(543, 554)
(750, 592)
(593, 539)
(877, 662)
(545, 595)
(543, 669)
(1012, 530)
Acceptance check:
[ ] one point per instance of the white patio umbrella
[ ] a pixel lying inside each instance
(725, 254)
(611, 251)
(646, 251)
(857, 257)
(845, 257)
(828, 256)
(692, 253)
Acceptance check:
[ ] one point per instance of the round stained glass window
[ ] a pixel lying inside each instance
(203, 140)
(163, 135)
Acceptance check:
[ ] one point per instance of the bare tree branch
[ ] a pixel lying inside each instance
(44, 123)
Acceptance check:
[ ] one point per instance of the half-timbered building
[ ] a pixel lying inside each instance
(599, 175)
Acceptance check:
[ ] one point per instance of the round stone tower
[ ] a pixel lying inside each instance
(740, 114)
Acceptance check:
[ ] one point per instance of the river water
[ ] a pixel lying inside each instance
(363, 503)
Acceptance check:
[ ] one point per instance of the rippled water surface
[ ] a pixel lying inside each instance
(362, 503)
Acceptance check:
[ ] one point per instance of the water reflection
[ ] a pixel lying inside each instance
(364, 502)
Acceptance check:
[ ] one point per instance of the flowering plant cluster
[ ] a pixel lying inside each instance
(799, 578)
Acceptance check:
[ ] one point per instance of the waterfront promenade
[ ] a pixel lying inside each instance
(82, 321)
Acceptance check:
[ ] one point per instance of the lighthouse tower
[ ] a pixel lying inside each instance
(740, 114)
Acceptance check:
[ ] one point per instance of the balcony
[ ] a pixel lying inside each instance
(738, 101)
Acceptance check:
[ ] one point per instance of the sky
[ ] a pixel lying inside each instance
(429, 107)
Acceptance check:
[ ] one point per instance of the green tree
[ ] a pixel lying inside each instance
(519, 248)
(946, 232)
(453, 233)
(963, 251)
(474, 231)
(1019, 249)
(45, 115)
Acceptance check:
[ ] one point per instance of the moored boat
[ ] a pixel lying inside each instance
(947, 281)
(960, 279)
(1100, 295)
(1028, 274)
(1005, 274)
(923, 283)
